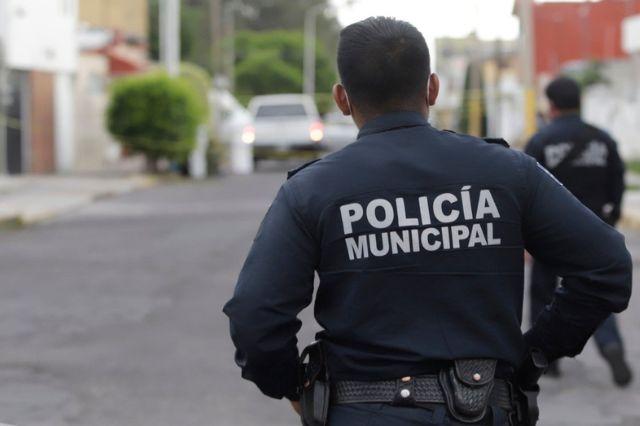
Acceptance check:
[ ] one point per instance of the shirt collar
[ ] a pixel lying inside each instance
(390, 121)
(572, 116)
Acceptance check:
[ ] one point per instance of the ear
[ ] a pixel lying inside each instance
(434, 89)
(341, 99)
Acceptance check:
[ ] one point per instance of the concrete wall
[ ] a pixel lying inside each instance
(615, 106)
(129, 16)
(95, 149)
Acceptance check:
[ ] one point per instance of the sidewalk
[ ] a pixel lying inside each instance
(28, 199)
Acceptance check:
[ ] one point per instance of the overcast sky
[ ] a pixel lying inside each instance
(437, 18)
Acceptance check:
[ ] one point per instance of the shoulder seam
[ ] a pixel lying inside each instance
(294, 209)
(291, 173)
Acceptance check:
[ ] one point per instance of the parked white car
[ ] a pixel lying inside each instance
(229, 116)
(283, 123)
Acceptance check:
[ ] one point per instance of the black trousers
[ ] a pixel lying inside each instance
(543, 285)
(374, 414)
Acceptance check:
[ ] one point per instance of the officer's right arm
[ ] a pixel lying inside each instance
(589, 255)
(615, 181)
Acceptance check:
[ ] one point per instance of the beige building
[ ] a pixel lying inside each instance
(129, 16)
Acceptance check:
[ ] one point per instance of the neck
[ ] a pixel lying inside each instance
(565, 113)
(361, 119)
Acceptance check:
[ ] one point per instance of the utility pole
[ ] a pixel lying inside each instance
(170, 36)
(229, 18)
(528, 65)
(309, 68)
(215, 14)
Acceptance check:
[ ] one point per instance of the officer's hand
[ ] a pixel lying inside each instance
(296, 407)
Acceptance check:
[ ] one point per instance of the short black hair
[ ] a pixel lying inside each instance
(564, 93)
(383, 63)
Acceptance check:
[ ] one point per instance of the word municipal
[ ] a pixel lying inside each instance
(427, 231)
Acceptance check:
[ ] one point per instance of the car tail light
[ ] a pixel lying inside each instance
(316, 131)
(248, 135)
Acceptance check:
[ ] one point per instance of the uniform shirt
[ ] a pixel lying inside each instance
(585, 159)
(417, 236)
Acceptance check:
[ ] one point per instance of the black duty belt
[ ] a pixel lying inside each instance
(409, 391)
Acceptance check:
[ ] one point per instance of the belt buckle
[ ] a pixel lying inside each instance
(405, 392)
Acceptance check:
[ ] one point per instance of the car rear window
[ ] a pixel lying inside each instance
(282, 110)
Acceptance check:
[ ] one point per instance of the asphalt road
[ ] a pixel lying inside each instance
(112, 316)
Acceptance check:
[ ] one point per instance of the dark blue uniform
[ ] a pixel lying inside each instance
(417, 236)
(585, 159)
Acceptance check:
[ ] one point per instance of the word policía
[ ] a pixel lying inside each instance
(422, 234)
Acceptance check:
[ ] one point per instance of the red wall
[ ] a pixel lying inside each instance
(42, 123)
(566, 32)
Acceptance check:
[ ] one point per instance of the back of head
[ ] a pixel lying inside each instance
(564, 94)
(383, 64)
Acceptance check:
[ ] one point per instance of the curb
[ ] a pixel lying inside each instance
(23, 219)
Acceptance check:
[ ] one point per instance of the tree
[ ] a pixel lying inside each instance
(194, 32)
(289, 15)
(155, 115)
(272, 61)
(195, 25)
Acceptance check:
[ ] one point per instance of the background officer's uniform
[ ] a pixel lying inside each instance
(392, 305)
(585, 159)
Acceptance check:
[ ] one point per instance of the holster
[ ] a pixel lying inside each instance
(467, 387)
(526, 389)
(314, 378)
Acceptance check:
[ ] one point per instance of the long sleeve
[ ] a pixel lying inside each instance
(275, 284)
(588, 254)
(615, 181)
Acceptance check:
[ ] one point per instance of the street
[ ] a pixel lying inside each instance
(111, 315)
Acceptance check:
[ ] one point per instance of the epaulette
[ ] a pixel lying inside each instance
(292, 172)
(498, 141)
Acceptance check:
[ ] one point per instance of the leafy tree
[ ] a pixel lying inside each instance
(265, 72)
(155, 115)
(289, 15)
(272, 62)
(196, 31)
(195, 35)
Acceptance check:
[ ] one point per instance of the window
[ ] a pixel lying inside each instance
(283, 110)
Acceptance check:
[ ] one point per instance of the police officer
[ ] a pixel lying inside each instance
(417, 237)
(585, 159)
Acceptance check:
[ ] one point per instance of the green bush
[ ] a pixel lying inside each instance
(199, 80)
(155, 115)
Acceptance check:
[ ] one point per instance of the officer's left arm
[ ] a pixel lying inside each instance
(589, 255)
(275, 284)
(615, 181)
